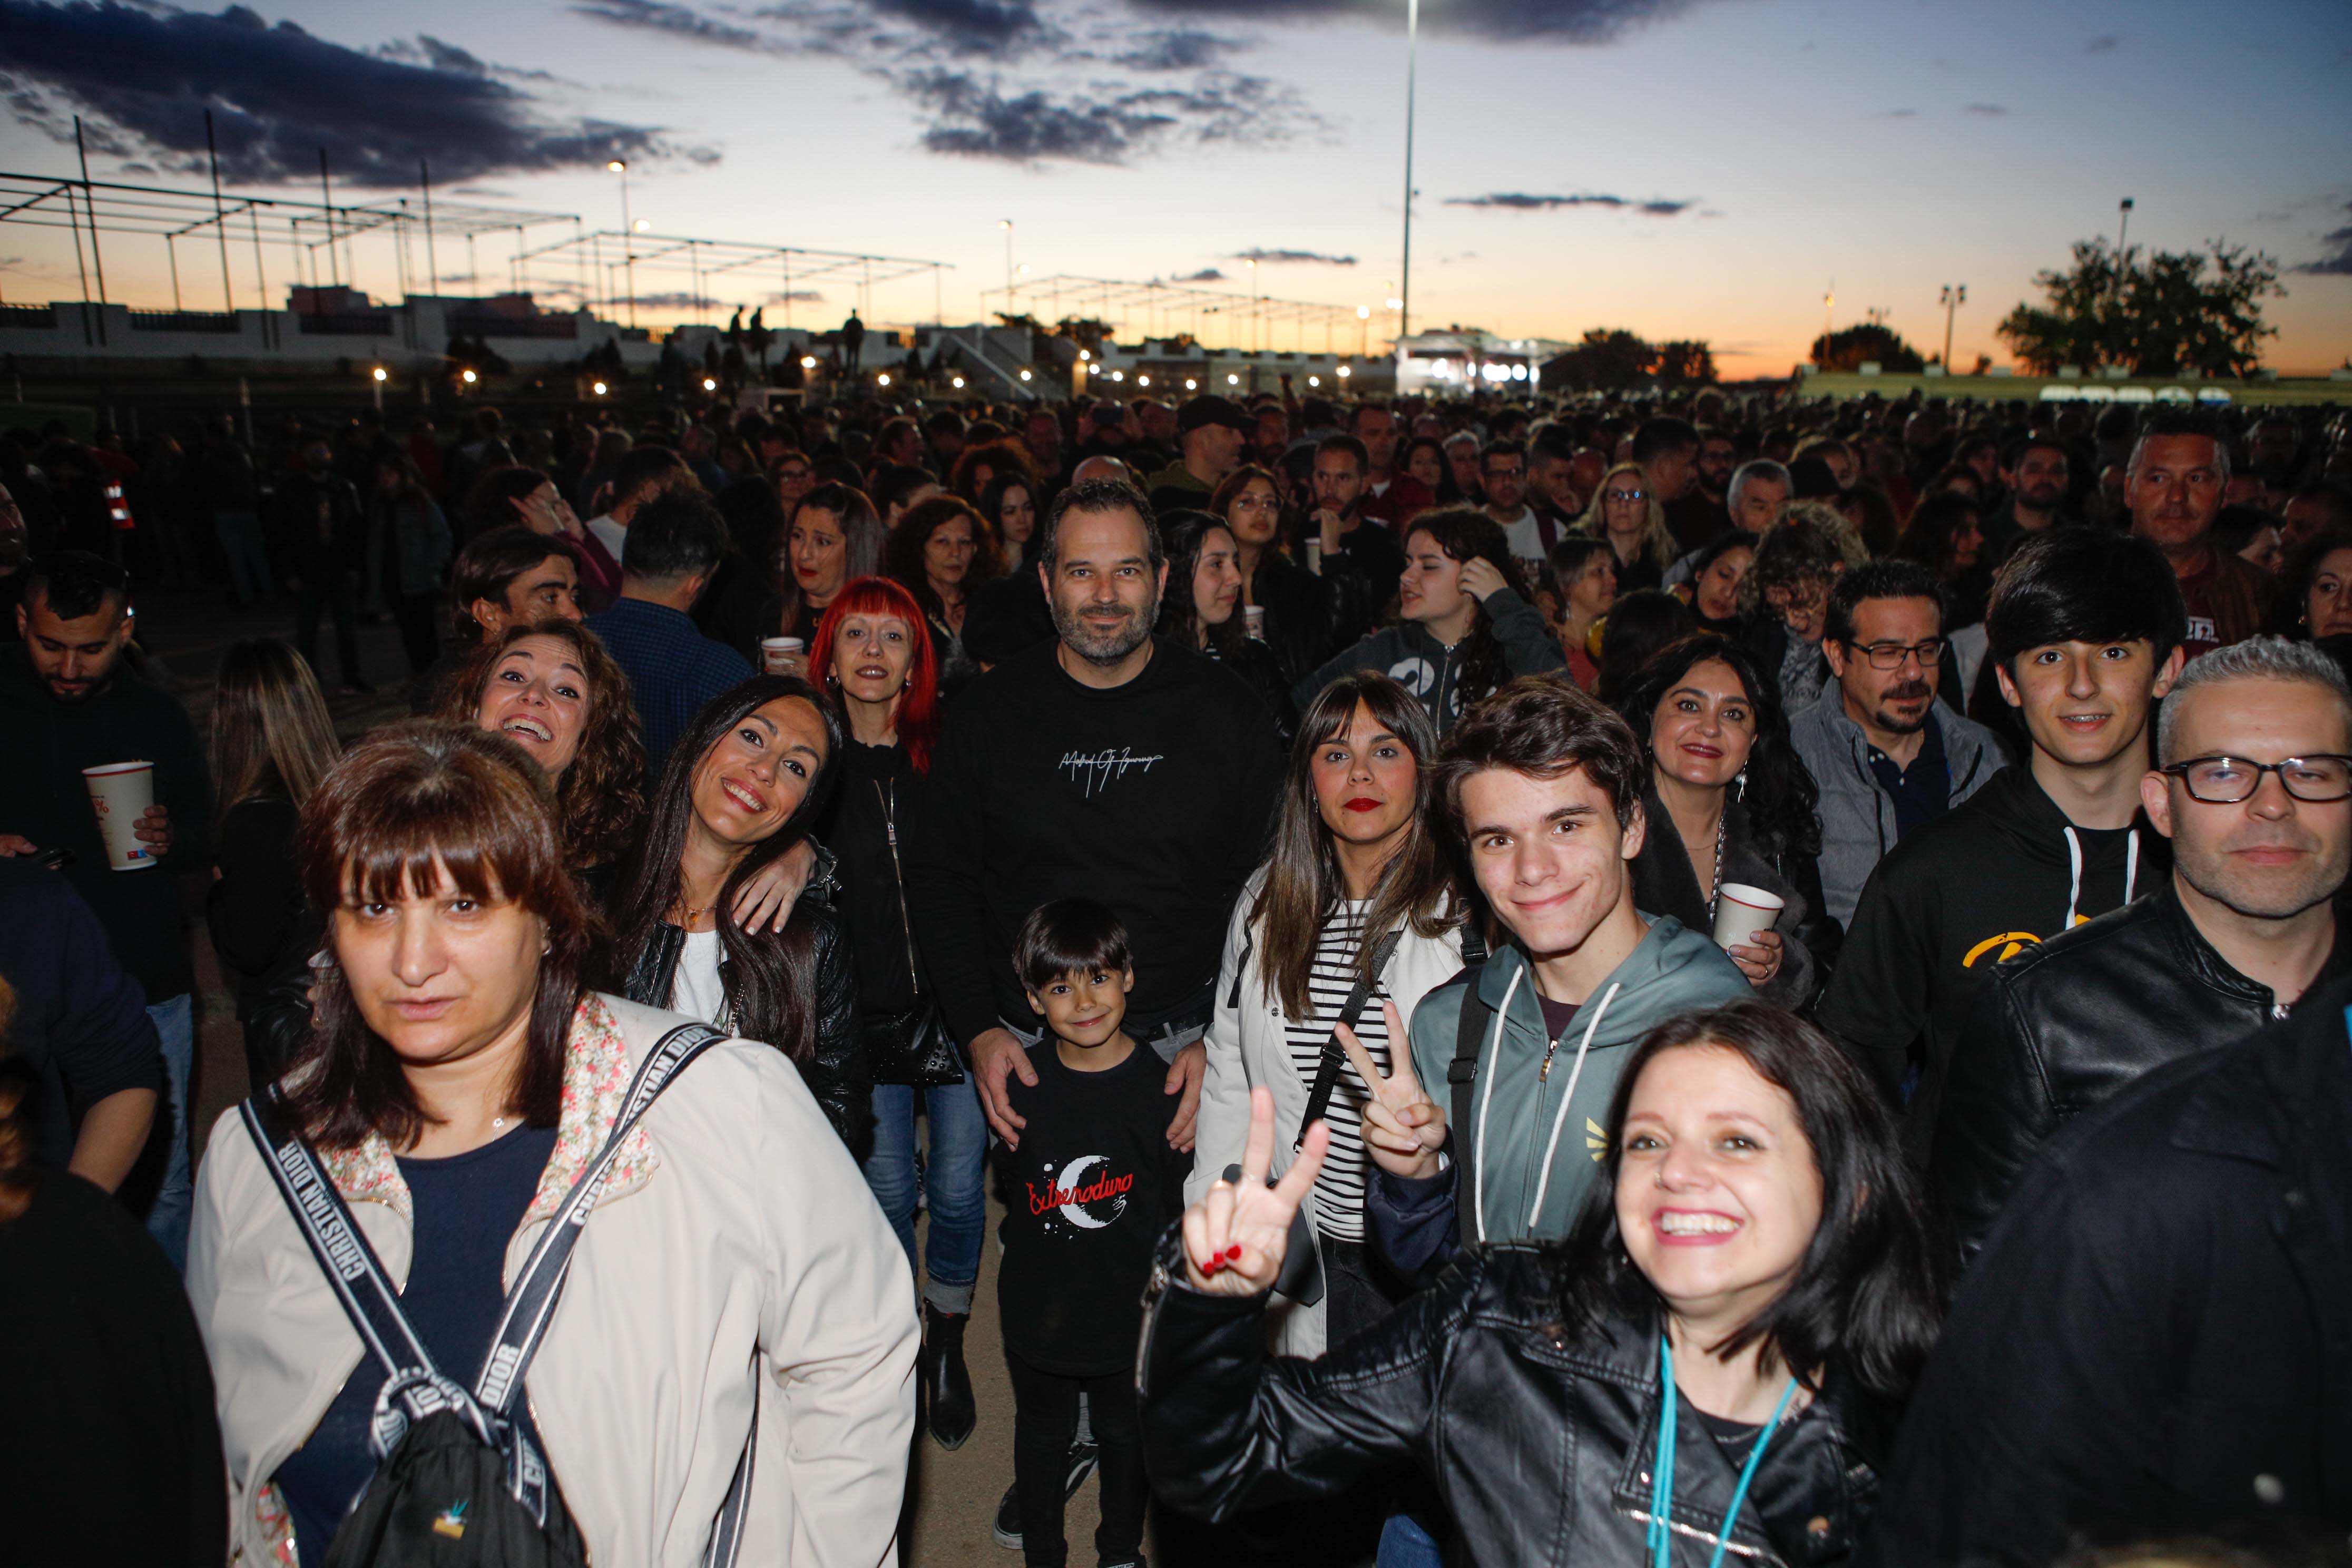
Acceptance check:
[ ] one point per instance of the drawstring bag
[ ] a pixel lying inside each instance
(458, 1484)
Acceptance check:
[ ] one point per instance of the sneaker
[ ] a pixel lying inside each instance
(1083, 1456)
(1138, 1561)
(1006, 1529)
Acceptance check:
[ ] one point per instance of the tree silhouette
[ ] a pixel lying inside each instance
(1850, 348)
(2159, 314)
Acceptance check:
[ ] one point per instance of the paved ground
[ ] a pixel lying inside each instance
(954, 1495)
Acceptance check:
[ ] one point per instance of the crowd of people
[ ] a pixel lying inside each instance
(1885, 854)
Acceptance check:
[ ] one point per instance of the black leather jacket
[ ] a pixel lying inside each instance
(836, 1073)
(1539, 1438)
(2063, 1027)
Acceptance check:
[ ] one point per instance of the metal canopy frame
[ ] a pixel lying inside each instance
(1169, 308)
(602, 252)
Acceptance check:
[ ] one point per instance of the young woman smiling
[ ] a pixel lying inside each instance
(1710, 1362)
(1729, 800)
(1354, 863)
(1296, 601)
(1200, 608)
(1584, 583)
(551, 687)
(1625, 513)
(747, 779)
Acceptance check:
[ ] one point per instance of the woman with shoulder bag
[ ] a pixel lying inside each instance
(722, 1271)
(875, 652)
(1354, 904)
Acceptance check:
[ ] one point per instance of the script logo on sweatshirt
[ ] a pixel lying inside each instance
(1086, 1195)
(1093, 771)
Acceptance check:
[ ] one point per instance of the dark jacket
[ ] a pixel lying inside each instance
(2066, 1025)
(1254, 662)
(2153, 1342)
(1994, 876)
(1539, 1438)
(80, 1023)
(865, 826)
(1667, 883)
(1433, 671)
(836, 1074)
(325, 529)
(408, 546)
(264, 929)
(1299, 610)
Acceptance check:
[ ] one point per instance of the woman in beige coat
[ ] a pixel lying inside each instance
(458, 1078)
(1353, 860)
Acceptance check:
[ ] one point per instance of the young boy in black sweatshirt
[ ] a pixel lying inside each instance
(1088, 1192)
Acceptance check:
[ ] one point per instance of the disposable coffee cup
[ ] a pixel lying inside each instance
(120, 793)
(1253, 621)
(776, 654)
(1740, 911)
(1315, 556)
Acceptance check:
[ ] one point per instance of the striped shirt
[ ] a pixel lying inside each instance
(1340, 1188)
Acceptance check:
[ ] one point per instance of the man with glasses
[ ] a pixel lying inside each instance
(2084, 634)
(1503, 474)
(1887, 757)
(2253, 787)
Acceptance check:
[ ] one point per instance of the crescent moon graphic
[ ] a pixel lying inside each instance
(1076, 1214)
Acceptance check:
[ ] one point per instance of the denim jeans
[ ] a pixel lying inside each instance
(167, 1222)
(954, 1182)
(248, 562)
(1406, 1543)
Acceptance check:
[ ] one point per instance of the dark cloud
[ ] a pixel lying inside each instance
(1176, 49)
(1206, 275)
(1519, 201)
(970, 118)
(1901, 114)
(1279, 257)
(1986, 111)
(2104, 44)
(1559, 21)
(678, 22)
(145, 75)
(2338, 261)
(994, 26)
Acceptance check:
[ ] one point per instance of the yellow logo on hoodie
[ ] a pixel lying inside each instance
(2010, 942)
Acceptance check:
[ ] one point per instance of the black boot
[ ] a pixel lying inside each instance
(946, 1385)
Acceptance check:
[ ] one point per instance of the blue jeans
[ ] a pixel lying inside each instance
(1405, 1543)
(167, 1222)
(955, 1175)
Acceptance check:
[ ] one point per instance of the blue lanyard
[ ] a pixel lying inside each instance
(1662, 1472)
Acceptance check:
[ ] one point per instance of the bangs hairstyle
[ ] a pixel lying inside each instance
(770, 982)
(600, 801)
(1544, 726)
(404, 807)
(1866, 1298)
(1069, 936)
(1304, 884)
(2083, 584)
(918, 719)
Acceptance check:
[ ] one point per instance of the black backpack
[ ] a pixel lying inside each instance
(458, 1483)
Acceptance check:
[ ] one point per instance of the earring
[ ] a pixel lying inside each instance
(1739, 785)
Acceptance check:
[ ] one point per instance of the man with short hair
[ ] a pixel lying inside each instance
(2084, 633)
(1391, 496)
(1551, 492)
(2314, 509)
(1886, 756)
(1210, 430)
(1362, 560)
(2173, 486)
(1667, 450)
(1462, 455)
(642, 473)
(675, 541)
(509, 576)
(1503, 477)
(946, 431)
(1540, 786)
(1754, 501)
(2036, 477)
(68, 701)
(2253, 787)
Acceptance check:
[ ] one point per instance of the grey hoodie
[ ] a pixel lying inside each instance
(1433, 671)
(1521, 1168)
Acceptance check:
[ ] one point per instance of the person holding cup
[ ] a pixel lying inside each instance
(1202, 609)
(1732, 841)
(82, 727)
(834, 538)
(1295, 597)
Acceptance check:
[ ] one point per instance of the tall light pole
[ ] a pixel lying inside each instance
(1955, 296)
(1006, 225)
(1364, 330)
(2122, 227)
(1404, 289)
(628, 237)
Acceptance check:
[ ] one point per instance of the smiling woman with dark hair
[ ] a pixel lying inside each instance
(461, 1081)
(1713, 1358)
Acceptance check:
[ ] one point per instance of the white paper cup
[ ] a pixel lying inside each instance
(120, 793)
(1740, 911)
(1315, 556)
(776, 654)
(1253, 621)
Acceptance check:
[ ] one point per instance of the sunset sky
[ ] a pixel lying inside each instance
(1685, 168)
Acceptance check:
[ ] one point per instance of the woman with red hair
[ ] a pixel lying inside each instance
(876, 654)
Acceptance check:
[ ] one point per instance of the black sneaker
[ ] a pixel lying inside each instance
(1006, 1529)
(1083, 1456)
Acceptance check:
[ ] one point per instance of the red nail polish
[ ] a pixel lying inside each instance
(1233, 1255)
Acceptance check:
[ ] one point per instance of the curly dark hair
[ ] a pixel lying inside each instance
(1464, 533)
(600, 801)
(1781, 797)
(999, 458)
(902, 552)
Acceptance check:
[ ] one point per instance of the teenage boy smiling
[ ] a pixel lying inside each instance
(1544, 786)
(2085, 633)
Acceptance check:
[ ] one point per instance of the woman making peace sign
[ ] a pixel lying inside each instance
(1709, 1364)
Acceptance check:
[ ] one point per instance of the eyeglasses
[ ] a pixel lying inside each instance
(1891, 655)
(2231, 781)
(1629, 495)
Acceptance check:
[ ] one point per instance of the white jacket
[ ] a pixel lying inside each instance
(735, 1239)
(1247, 1047)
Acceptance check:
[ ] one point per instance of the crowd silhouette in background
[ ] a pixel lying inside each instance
(1555, 981)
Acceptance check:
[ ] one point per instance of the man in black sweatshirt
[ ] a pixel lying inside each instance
(2085, 631)
(1106, 764)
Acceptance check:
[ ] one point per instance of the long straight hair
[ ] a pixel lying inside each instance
(1866, 1299)
(1303, 885)
(271, 736)
(1464, 533)
(918, 719)
(861, 543)
(769, 980)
